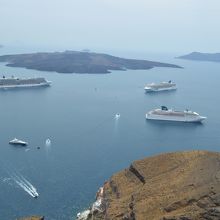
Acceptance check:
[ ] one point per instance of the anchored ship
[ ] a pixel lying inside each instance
(16, 141)
(166, 114)
(7, 83)
(163, 86)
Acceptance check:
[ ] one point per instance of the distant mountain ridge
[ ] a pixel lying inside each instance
(213, 57)
(78, 62)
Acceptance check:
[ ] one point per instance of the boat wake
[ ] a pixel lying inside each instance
(48, 145)
(14, 178)
(116, 119)
(6, 180)
(24, 184)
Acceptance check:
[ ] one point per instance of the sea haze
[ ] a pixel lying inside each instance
(88, 145)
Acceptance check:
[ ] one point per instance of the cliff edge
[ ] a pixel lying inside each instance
(172, 186)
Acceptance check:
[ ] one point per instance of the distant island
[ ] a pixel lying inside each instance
(170, 186)
(78, 62)
(197, 56)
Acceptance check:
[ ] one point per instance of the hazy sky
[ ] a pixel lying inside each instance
(145, 25)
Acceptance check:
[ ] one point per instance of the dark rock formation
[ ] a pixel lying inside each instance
(78, 62)
(173, 186)
(136, 173)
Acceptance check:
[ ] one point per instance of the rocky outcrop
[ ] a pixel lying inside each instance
(133, 170)
(173, 186)
(32, 218)
(97, 208)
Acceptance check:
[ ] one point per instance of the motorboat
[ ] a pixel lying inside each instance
(16, 141)
(117, 116)
(48, 142)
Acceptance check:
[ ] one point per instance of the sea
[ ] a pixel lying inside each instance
(88, 144)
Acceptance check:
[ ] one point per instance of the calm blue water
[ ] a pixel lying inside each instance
(88, 144)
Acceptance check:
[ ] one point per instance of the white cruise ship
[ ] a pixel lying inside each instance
(7, 83)
(16, 141)
(163, 86)
(166, 114)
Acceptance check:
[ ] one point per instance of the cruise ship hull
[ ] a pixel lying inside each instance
(175, 118)
(148, 89)
(18, 143)
(44, 84)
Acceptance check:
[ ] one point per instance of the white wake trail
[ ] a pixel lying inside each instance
(29, 184)
(25, 184)
(18, 179)
(25, 188)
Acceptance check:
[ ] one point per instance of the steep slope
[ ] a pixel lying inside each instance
(173, 186)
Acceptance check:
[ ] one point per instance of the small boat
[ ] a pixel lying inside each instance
(48, 142)
(117, 116)
(165, 114)
(158, 87)
(35, 194)
(16, 141)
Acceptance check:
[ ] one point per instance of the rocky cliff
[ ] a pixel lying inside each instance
(173, 186)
